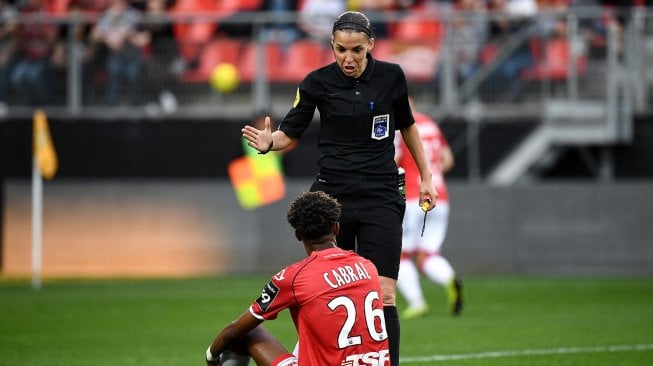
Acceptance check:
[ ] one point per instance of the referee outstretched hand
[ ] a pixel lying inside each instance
(261, 140)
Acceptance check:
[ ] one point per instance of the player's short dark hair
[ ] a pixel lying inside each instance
(353, 20)
(313, 214)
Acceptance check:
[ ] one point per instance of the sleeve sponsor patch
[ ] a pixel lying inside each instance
(269, 293)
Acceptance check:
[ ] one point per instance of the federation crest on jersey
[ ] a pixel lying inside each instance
(381, 126)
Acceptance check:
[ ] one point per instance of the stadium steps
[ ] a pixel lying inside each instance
(564, 123)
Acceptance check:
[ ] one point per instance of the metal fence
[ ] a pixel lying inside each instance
(453, 64)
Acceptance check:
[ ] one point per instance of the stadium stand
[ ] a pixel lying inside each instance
(302, 57)
(552, 60)
(192, 35)
(216, 51)
(248, 61)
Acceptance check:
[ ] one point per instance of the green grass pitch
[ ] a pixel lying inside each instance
(508, 320)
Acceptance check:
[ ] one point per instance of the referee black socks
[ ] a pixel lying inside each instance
(392, 327)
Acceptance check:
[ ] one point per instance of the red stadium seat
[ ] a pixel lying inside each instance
(415, 29)
(302, 57)
(218, 51)
(383, 49)
(58, 6)
(247, 66)
(488, 53)
(416, 41)
(191, 6)
(553, 62)
(419, 61)
(238, 5)
(191, 36)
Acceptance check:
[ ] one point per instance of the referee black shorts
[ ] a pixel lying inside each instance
(372, 215)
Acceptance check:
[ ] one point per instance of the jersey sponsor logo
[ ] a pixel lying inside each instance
(381, 358)
(269, 293)
(281, 275)
(381, 126)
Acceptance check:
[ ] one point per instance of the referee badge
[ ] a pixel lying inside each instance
(381, 126)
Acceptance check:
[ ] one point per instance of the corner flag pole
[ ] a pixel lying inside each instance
(37, 219)
(44, 165)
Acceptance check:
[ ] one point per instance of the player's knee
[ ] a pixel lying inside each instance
(421, 258)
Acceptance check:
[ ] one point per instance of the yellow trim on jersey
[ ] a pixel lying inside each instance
(294, 105)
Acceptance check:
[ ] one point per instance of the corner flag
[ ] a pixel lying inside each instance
(44, 164)
(44, 153)
(257, 180)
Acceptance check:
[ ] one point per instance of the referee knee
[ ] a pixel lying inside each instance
(388, 290)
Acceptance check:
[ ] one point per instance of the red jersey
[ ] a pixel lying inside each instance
(434, 142)
(334, 298)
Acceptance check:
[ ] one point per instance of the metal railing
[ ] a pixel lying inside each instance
(76, 92)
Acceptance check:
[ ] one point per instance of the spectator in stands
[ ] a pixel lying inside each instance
(470, 32)
(117, 30)
(510, 18)
(375, 10)
(84, 49)
(316, 18)
(8, 22)
(593, 29)
(552, 18)
(281, 30)
(522, 8)
(34, 45)
(164, 63)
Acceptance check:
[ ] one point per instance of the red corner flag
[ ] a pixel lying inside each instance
(257, 180)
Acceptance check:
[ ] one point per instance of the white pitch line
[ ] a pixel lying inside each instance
(529, 352)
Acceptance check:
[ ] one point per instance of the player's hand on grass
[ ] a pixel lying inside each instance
(261, 140)
(212, 360)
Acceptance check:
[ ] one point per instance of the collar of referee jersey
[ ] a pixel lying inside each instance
(365, 76)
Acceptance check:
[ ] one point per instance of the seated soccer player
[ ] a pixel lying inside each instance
(333, 296)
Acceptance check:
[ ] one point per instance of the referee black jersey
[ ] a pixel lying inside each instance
(358, 117)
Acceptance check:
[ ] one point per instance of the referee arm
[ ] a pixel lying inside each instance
(427, 192)
(265, 140)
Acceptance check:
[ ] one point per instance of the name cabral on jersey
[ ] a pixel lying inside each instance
(345, 275)
(336, 277)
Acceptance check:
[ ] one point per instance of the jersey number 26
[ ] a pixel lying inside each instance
(372, 315)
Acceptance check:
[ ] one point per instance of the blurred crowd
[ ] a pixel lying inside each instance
(140, 49)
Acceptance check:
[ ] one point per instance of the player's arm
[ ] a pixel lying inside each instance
(413, 141)
(235, 331)
(399, 150)
(265, 140)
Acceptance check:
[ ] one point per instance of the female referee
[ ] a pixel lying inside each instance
(361, 101)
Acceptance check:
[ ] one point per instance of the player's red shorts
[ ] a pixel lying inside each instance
(287, 359)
